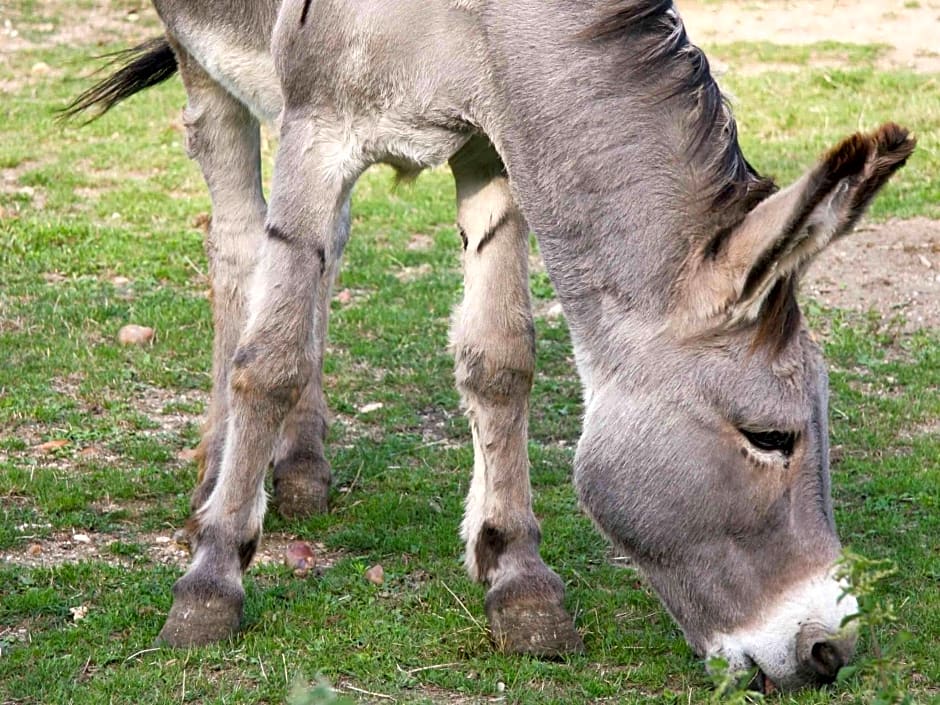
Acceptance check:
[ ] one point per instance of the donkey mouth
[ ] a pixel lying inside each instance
(762, 684)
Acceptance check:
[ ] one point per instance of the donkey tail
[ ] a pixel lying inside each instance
(142, 66)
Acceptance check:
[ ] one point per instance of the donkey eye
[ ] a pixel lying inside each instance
(779, 441)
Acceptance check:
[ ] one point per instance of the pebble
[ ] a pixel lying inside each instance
(554, 311)
(300, 557)
(81, 538)
(132, 334)
(162, 539)
(375, 574)
(50, 446)
(368, 408)
(34, 549)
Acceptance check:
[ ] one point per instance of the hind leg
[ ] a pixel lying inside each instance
(223, 137)
(301, 471)
(494, 345)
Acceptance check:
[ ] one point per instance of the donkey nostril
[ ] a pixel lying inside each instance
(826, 660)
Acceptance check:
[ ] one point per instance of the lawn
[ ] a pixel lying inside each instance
(102, 225)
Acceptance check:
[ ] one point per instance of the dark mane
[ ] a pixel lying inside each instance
(657, 52)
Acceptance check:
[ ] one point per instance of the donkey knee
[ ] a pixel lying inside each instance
(499, 373)
(262, 374)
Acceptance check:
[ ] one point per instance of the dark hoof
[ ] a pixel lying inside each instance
(202, 614)
(298, 495)
(527, 616)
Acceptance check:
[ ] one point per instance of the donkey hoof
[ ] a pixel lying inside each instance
(201, 614)
(530, 620)
(298, 496)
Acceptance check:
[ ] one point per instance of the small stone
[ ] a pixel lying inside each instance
(162, 539)
(369, 408)
(40, 68)
(120, 281)
(554, 311)
(344, 297)
(50, 446)
(81, 538)
(500, 687)
(300, 557)
(420, 242)
(133, 334)
(202, 221)
(375, 574)
(79, 613)
(34, 549)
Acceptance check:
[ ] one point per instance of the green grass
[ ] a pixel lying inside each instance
(64, 377)
(825, 52)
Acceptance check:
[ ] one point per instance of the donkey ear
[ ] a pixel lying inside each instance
(779, 238)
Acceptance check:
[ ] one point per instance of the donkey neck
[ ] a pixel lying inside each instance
(615, 157)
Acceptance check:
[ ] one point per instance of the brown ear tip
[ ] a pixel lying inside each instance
(848, 157)
(894, 140)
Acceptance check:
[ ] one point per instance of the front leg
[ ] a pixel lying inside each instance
(275, 360)
(223, 137)
(494, 346)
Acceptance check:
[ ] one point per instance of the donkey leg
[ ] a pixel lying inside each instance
(301, 471)
(223, 137)
(494, 345)
(273, 363)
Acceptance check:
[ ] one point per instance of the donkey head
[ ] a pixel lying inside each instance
(706, 458)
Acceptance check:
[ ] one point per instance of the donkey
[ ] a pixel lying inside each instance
(704, 453)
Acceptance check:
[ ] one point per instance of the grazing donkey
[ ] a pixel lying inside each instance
(704, 454)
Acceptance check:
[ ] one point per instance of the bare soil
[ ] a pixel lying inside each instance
(160, 548)
(891, 268)
(909, 29)
(98, 22)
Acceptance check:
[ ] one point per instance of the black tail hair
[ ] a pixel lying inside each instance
(144, 65)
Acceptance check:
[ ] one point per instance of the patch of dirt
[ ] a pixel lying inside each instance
(96, 23)
(10, 186)
(164, 407)
(435, 422)
(909, 29)
(892, 268)
(73, 547)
